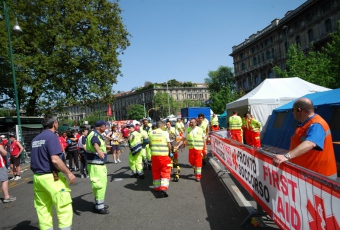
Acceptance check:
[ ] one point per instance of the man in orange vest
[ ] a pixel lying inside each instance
(311, 145)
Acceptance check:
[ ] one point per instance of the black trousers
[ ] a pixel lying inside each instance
(83, 161)
(73, 155)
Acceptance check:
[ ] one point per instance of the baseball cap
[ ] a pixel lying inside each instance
(100, 123)
(130, 126)
(11, 135)
(2, 136)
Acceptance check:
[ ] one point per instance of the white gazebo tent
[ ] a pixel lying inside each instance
(270, 94)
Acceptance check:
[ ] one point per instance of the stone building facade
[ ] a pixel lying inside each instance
(311, 22)
(199, 92)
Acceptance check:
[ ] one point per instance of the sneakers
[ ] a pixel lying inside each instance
(9, 199)
(84, 176)
(119, 161)
(198, 180)
(115, 162)
(17, 178)
(13, 178)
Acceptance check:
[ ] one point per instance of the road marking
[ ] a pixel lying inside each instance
(16, 183)
(245, 202)
(237, 191)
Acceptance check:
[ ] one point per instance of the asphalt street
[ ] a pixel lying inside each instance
(213, 203)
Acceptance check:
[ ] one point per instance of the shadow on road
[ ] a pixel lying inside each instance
(23, 225)
(80, 205)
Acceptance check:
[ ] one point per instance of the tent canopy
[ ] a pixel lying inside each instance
(282, 125)
(270, 94)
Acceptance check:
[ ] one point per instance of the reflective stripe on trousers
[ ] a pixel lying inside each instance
(195, 160)
(161, 171)
(47, 191)
(98, 177)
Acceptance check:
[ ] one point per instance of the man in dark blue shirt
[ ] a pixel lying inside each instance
(50, 186)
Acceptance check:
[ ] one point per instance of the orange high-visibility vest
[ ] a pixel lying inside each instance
(322, 162)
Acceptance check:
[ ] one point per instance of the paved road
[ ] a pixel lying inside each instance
(212, 203)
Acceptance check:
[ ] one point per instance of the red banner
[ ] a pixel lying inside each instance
(109, 111)
(294, 197)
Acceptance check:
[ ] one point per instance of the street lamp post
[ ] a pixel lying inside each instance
(167, 90)
(16, 28)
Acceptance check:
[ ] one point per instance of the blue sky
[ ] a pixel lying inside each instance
(185, 39)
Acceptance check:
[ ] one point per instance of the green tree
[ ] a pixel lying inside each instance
(313, 68)
(135, 112)
(174, 83)
(221, 85)
(318, 67)
(161, 102)
(68, 52)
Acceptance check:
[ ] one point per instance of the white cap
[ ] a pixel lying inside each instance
(2, 136)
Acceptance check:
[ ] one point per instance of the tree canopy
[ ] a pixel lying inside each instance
(68, 52)
(135, 112)
(221, 85)
(318, 67)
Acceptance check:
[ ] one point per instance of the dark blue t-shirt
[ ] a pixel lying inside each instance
(45, 145)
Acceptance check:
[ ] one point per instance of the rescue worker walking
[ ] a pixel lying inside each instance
(145, 142)
(148, 128)
(96, 158)
(50, 186)
(174, 152)
(179, 126)
(203, 123)
(195, 138)
(235, 127)
(161, 162)
(135, 157)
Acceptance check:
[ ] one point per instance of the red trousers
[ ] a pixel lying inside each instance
(255, 139)
(236, 134)
(215, 128)
(161, 170)
(195, 160)
(248, 137)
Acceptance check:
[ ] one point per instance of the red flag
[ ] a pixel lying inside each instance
(109, 111)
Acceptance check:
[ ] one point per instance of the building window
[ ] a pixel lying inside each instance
(298, 41)
(273, 53)
(241, 56)
(243, 66)
(254, 61)
(268, 55)
(259, 59)
(310, 35)
(262, 56)
(328, 25)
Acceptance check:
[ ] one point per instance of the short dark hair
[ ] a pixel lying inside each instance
(48, 122)
(82, 130)
(160, 124)
(201, 115)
